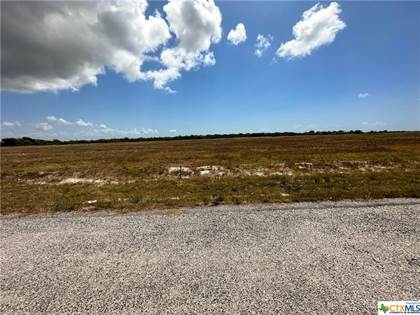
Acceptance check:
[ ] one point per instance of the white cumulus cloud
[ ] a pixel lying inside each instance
(317, 27)
(43, 126)
(11, 124)
(262, 44)
(196, 25)
(82, 123)
(55, 45)
(55, 120)
(237, 35)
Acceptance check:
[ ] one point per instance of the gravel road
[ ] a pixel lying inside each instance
(318, 258)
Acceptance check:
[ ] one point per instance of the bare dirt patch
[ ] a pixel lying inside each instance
(277, 169)
(180, 171)
(212, 170)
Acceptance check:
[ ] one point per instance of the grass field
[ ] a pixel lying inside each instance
(171, 174)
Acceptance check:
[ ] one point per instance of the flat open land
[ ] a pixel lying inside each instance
(173, 174)
(317, 258)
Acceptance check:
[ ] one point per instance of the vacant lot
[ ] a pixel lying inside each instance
(130, 176)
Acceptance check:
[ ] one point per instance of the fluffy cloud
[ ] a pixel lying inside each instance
(43, 126)
(172, 130)
(237, 35)
(55, 120)
(61, 121)
(11, 124)
(262, 44)
(54, 45)
(50, 45)
(82, 123)
(363, 95)
(196, 25)
(318, 26)
(61, 128)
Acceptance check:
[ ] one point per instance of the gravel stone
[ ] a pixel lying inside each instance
(317, 258)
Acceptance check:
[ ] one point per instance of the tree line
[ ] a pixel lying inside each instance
(8, 142)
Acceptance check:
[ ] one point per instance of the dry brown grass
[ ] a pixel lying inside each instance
(277, 169)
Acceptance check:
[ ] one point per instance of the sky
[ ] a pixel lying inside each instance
(87, 70)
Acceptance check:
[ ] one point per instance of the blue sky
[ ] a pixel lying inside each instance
(367, 78)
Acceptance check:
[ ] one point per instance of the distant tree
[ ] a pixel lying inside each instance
(29, 141)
